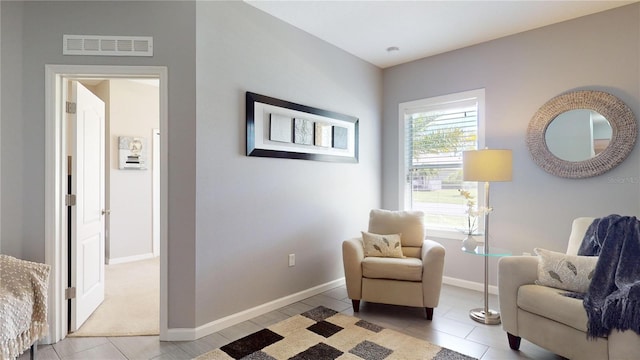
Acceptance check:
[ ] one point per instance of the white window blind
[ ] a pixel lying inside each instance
(434, 134)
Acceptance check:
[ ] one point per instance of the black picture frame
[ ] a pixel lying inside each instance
(267, 131)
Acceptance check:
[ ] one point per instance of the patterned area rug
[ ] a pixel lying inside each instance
(322, 333)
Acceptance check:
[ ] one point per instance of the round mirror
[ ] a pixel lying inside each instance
(578, 135)
(581, 134)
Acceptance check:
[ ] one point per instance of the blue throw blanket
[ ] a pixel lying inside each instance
(613, 298)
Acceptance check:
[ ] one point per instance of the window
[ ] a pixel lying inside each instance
(433, 134)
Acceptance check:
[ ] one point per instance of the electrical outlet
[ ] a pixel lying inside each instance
(292, 260)
(526, 254)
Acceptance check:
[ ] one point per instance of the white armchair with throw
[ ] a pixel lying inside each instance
(392, 263)
(535, 306)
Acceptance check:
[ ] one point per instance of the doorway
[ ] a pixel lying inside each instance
(128, 277)
(56, 247)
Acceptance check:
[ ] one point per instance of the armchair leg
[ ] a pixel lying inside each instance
(429, 312)
(356, 305)
(514, 341)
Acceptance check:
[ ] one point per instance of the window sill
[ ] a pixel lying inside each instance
(447, 234)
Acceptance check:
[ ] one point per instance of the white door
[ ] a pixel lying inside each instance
(87, 149)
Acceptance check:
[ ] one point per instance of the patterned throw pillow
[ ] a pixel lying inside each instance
(562, 271)
(382, 245)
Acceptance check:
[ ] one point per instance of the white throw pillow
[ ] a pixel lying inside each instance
(382, 245)
(562, 271)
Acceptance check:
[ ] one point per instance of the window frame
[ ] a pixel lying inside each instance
(430, 103)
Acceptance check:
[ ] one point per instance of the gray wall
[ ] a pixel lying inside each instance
(12, 132)
(232, 243)
(520, 73)
(32, 37)
(252, 212)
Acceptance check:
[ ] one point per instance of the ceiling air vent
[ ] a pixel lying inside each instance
(107, 45)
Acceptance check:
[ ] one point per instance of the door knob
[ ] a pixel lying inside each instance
(107, 212)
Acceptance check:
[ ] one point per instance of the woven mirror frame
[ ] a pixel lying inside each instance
(623, 126)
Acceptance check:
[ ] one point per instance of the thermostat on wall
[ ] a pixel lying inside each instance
(133, 152)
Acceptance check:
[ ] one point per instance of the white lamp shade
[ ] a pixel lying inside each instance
(487, 165)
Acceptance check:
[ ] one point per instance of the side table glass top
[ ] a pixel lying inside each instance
(493, 251)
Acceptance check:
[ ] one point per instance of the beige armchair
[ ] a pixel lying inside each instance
(412, 280)
(544, 316)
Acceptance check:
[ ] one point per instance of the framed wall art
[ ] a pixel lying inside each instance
(132, 153)
(282, 129)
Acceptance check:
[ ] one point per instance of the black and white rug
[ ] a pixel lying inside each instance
(322, 333)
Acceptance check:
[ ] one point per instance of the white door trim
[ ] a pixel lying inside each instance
(55, 216)
(156, 194)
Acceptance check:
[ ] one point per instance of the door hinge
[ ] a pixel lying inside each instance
(70, 293)
(71, 107)
(70, 200)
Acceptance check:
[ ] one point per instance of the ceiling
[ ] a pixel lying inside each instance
(419, 29)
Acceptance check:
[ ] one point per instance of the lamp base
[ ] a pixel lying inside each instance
(490, 318)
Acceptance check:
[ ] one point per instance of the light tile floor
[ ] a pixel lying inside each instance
(451, 327)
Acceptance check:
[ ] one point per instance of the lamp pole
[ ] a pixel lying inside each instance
(486, 315)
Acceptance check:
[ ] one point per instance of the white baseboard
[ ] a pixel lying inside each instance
(127, 259)
(469, 285)
(190, 334)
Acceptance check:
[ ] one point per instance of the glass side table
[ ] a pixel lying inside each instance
(485, 315)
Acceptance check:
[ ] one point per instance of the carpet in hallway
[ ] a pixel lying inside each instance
(131, 305)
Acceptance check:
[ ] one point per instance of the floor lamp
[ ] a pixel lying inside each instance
(486, 165)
